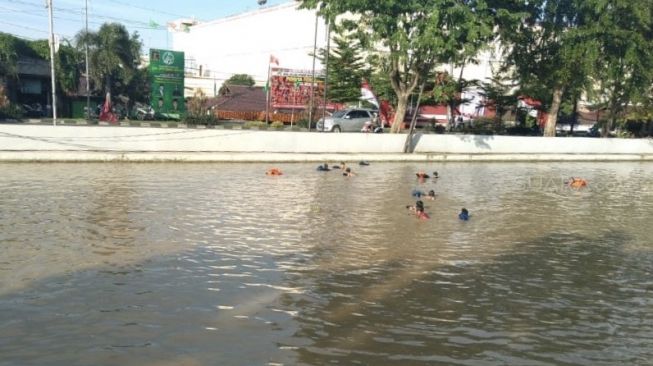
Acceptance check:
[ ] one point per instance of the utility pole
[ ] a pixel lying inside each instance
(88, 87)
(310, 107)
(326, 72)
(52, 74)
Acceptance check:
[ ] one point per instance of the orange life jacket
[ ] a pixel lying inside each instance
(274, 171)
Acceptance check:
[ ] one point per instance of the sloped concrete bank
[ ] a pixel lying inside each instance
(20, 142)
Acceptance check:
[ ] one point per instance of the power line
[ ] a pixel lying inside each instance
(148, 9)
(131, 22)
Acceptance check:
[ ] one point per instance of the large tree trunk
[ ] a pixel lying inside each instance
(552, 118)
(400, 113)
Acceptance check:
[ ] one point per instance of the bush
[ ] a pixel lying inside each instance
(254, 124)
(277, 124)
(208, 120)
(635, 128)
(521, 131)
(484, 126)
(303, 123)
(10, 111)
(439, 129)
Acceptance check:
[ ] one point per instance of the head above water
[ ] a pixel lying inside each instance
(431, 193)
(464, 211)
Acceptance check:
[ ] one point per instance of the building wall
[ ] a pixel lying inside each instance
(242, 44)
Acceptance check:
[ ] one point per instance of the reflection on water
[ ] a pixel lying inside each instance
(204, 264)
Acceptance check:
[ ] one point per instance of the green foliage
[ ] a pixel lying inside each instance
(412, 36)
(114, 56)
(254, 124)
(625, 68)
(484, 126)
(198, 113)
(549, 44)
(67, 64)
(277, 124)
(346, 68)
(12, 48)
(240, 79)
(498, 95)
(7, 109)
(236, 79)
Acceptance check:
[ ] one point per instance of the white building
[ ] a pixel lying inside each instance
(243, 44)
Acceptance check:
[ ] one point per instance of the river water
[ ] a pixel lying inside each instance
(219, 264)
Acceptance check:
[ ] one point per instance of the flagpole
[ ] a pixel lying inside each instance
(267, 97)
(326, 72)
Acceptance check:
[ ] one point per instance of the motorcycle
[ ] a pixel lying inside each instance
(143, 112)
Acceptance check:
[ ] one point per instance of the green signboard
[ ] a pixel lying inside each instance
(167, 75)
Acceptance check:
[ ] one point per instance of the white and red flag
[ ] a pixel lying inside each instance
(368, 95)
(274, 60)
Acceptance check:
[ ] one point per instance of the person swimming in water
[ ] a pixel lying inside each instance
(417, 193)
(464, 214)
(576, 182)
(274, 171)
(323, 168)
(435, 175)
(348, 172)
(430, 195)
(422, 175)
(418, 209)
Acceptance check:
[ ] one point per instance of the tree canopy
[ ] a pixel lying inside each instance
(347, 68)
(412, 35)
(114, 57)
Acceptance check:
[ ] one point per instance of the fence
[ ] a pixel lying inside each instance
(286, 118)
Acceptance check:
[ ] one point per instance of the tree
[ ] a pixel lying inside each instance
(240, 79)
(551, 43)
(498, 95)
(346, 69)
(114, 56)
(68, 61)
(236, 79)
(625, 66)
(413, 35)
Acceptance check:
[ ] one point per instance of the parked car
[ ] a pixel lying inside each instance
(346, 120)
(579, 129)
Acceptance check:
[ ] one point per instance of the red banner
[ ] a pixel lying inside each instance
(291, 88)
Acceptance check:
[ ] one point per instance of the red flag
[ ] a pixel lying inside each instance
(368, 95)
(274, 60)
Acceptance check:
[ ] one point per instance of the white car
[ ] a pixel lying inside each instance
(346, 120)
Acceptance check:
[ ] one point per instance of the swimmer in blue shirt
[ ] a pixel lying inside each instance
(464, 214)
(417, 193)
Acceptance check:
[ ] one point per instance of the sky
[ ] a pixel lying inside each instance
(29, 18)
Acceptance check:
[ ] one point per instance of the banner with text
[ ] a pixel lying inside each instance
(291, 89)
(167, 89)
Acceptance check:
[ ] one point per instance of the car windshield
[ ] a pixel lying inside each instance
(338, 114)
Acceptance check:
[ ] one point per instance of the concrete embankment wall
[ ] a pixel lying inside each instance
(110, 143)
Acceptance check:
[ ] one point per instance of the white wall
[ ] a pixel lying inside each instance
(242, 44)
(176, 142)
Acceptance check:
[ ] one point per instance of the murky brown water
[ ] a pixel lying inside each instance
(218, 264)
